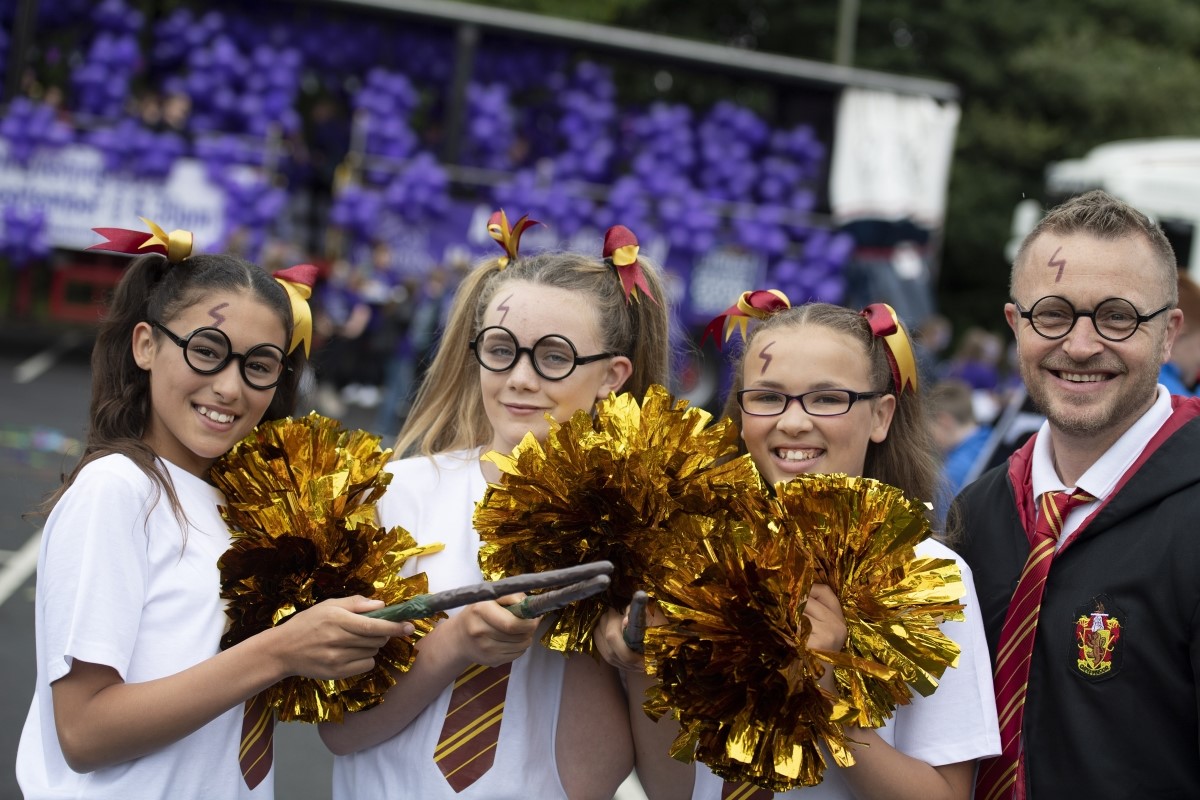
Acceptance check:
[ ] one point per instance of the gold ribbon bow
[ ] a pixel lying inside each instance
(758, 304)
(176, 245)
(885, 324)
(298, 281)
(508, 237)
(621, 249)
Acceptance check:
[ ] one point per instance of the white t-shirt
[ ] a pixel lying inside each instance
(434, 499)
(955, 723)
(118, 585)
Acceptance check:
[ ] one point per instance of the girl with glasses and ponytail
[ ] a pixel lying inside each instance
(529, 337)
(134, 697)
(820, 388)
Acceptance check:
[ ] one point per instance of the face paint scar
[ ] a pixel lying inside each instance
(502, 306)
(1061, 263)
(766, 357)
(215, 313)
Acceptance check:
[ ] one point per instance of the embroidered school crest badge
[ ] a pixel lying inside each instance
(1098, 638)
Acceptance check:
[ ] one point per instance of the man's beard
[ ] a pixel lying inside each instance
(1090, 418)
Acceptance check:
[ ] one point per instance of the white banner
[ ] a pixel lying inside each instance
(77, 193)
(891, 157)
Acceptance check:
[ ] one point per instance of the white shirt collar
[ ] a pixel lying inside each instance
(1102, 477)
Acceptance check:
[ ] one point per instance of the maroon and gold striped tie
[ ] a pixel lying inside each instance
(1003, 777)
(731, 790)
(466, 747)
(258, 734)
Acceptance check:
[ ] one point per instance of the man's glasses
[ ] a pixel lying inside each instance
(208, 350)
(1114, 319)
(553, 357)
(818, 403)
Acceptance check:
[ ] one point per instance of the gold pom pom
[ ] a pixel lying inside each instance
(301, 498)
(862, 534)
(733, 661)
(610, 487)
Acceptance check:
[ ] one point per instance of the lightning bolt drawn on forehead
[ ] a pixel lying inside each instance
(1061, 263)
(502, 306)
(215, 313)
(765, 356)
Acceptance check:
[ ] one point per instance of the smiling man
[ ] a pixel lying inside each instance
(1085, 545)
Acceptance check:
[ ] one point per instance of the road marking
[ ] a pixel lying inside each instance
(19, 567)
(34, 367)
(37, 365)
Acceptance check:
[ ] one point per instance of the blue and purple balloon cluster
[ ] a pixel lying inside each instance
(697, 180)
(586, 122)
(491, 126)
(29, 126)
(382, 120)
(101, 81)
(239, 77)
(23, 238)
(577, 158)
(401, 183)
(127, 145)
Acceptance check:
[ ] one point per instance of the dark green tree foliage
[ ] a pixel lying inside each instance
(1040, 82)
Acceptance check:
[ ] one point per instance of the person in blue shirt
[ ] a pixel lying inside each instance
(958, 436)
(1181, 372)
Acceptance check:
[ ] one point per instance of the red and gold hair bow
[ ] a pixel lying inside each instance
(885, 324)
(758, 304)
(508, 238)
(621, 250)
(298, 281)
(176, 245)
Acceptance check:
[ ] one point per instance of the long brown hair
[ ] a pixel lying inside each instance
(906, 459)
(154, 289)
(448, 413)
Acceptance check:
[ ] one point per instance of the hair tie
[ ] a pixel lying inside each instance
(886, 325)
(298, 281)
(621, 251)
(176, 245)
(508, 238)
(758, 304)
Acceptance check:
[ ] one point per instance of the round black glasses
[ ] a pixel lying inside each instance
(208, 350)
(818, 403)
(1115, 319)
(553, 357)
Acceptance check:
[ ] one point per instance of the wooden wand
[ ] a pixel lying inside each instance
(570, 583)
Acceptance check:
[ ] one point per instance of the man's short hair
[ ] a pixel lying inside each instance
(1099, 214)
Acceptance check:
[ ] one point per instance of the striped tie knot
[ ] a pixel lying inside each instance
(1054, 508)
(1003, 777)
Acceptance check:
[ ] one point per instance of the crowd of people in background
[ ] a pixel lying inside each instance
(376, 330)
